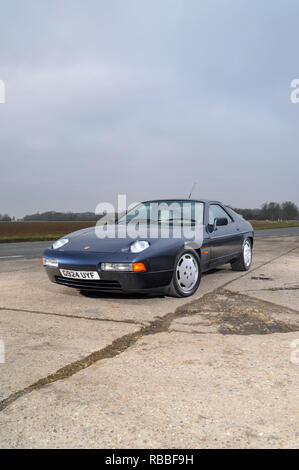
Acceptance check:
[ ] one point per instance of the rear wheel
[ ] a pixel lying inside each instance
(186, 274)
(243, 263)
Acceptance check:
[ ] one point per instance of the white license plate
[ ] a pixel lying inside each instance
(86, 275)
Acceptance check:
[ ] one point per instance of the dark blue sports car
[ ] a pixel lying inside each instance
(161, 245)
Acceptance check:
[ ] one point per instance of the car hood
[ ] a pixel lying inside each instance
(88, 240)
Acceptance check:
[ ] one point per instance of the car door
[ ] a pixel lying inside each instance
(226, 240)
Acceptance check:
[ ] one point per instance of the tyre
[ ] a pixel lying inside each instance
(243, 263)
(186, 274)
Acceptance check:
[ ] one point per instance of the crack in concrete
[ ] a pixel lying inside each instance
(117, 347)
(193, 332)
(261, 278)
(78, 317)
(281, 288)
(272, 289)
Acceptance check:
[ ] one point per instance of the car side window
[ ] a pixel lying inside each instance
(216, 211)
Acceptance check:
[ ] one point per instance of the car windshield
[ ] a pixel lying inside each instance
(167, 211)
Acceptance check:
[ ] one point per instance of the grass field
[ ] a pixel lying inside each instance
(46, 231)
(38, 231)
(264, 224)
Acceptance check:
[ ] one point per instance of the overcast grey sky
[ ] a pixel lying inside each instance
(144, 97)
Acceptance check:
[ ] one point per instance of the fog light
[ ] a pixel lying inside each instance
(123, 267)
(50, 262)
(116, 267)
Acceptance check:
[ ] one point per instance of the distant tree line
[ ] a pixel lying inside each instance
(5, 218)
(271, 211)
(62, 216)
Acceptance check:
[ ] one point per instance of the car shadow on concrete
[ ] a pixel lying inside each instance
(136, 295)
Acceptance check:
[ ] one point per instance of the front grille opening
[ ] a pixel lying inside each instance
(88, 284)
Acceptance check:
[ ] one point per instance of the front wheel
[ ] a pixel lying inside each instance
(243, 263)
(186, 274)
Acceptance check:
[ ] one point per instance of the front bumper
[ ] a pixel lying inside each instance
(109, 280)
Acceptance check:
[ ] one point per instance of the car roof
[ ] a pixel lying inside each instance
(207, 201)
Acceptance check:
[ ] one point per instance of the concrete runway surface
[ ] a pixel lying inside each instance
(219, 369)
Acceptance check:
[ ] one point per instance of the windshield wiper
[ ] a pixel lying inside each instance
(176, 218)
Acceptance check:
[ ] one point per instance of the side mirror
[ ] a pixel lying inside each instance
(219, 221)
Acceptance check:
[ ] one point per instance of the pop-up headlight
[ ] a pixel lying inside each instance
(59, 243)
(138, 246)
